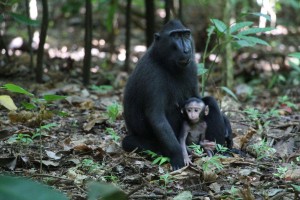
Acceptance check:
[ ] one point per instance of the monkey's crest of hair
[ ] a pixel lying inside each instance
(173, 26)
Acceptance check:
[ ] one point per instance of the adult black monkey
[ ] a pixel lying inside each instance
(163, 79)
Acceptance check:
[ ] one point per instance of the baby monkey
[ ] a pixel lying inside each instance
(194, 127)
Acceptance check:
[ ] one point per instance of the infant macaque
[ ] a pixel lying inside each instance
(194, 128)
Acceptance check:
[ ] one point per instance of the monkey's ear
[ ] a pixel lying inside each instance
(206, 110)
(156, 36)
(182, 111)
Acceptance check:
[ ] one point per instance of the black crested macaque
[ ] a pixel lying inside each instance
(163, 79)
(218, 125)
(194, 127)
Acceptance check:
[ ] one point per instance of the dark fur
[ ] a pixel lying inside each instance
(163, 79)
(218, 126)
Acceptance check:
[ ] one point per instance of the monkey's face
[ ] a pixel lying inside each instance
(193, 111)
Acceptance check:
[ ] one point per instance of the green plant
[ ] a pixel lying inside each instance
(221, 149)
(89, 165)
(158, 159)
(38, 112)
(213, 163)
(298, 159)
(113, 134)
(261, 120)
(238, 35)
(35, 104)
(6, 9)
(294, 75)
(21, 138)
(14, 188)
(102, 89)
(112, 178)
(285, 100)
(166, 178)
(281, 171)
(263, 150)
(113, 111)
(253, 114)
(198, 150)
(233, 193)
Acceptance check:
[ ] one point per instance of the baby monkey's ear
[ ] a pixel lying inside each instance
(206, 111)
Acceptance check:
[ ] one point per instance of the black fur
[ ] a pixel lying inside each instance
(163, 79)
(218, 125)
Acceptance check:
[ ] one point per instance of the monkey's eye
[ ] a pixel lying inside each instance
(187, 35)
(196, 110)
(176, 35)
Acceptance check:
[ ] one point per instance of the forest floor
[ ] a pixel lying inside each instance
(84, 145)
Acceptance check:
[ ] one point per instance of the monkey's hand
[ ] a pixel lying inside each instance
(177, 161)
(208, 145)
(187, 160)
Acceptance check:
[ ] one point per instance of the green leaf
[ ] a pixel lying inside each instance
(17, 89)
(201, 69)
(7, 102)
(228, 91)
(239, 26)
(105, 192)
(24, 20)
(262, 15)
(155, 161)
(253, 40)
(53, 97)
(102, 88)
(219, 25)
(244, 43)
(16, 188)
(210, 30)
(48, 126)
(296, 187)
(163, 160)
(295, 54)
(254, 31)
(28, 106)
(151, 153)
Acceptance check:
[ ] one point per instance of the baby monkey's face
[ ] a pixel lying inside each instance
(193, 111)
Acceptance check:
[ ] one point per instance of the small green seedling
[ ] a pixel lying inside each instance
(113, 111)
(198, 150)
(113, 134)
(158, 159)
(166, 178)
(281, 171)
(213, 163)
(89, 165)
(263, 150)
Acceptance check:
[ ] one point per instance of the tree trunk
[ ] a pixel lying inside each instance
(150, 21)
(167, 10)
(128, 35)
(29, 31)
(88, 42)
(43, 34)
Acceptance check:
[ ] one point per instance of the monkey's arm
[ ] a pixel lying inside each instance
(208, 146)
(163, 131)
(183, 135)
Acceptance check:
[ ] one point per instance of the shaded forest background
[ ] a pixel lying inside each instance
(84, 52)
